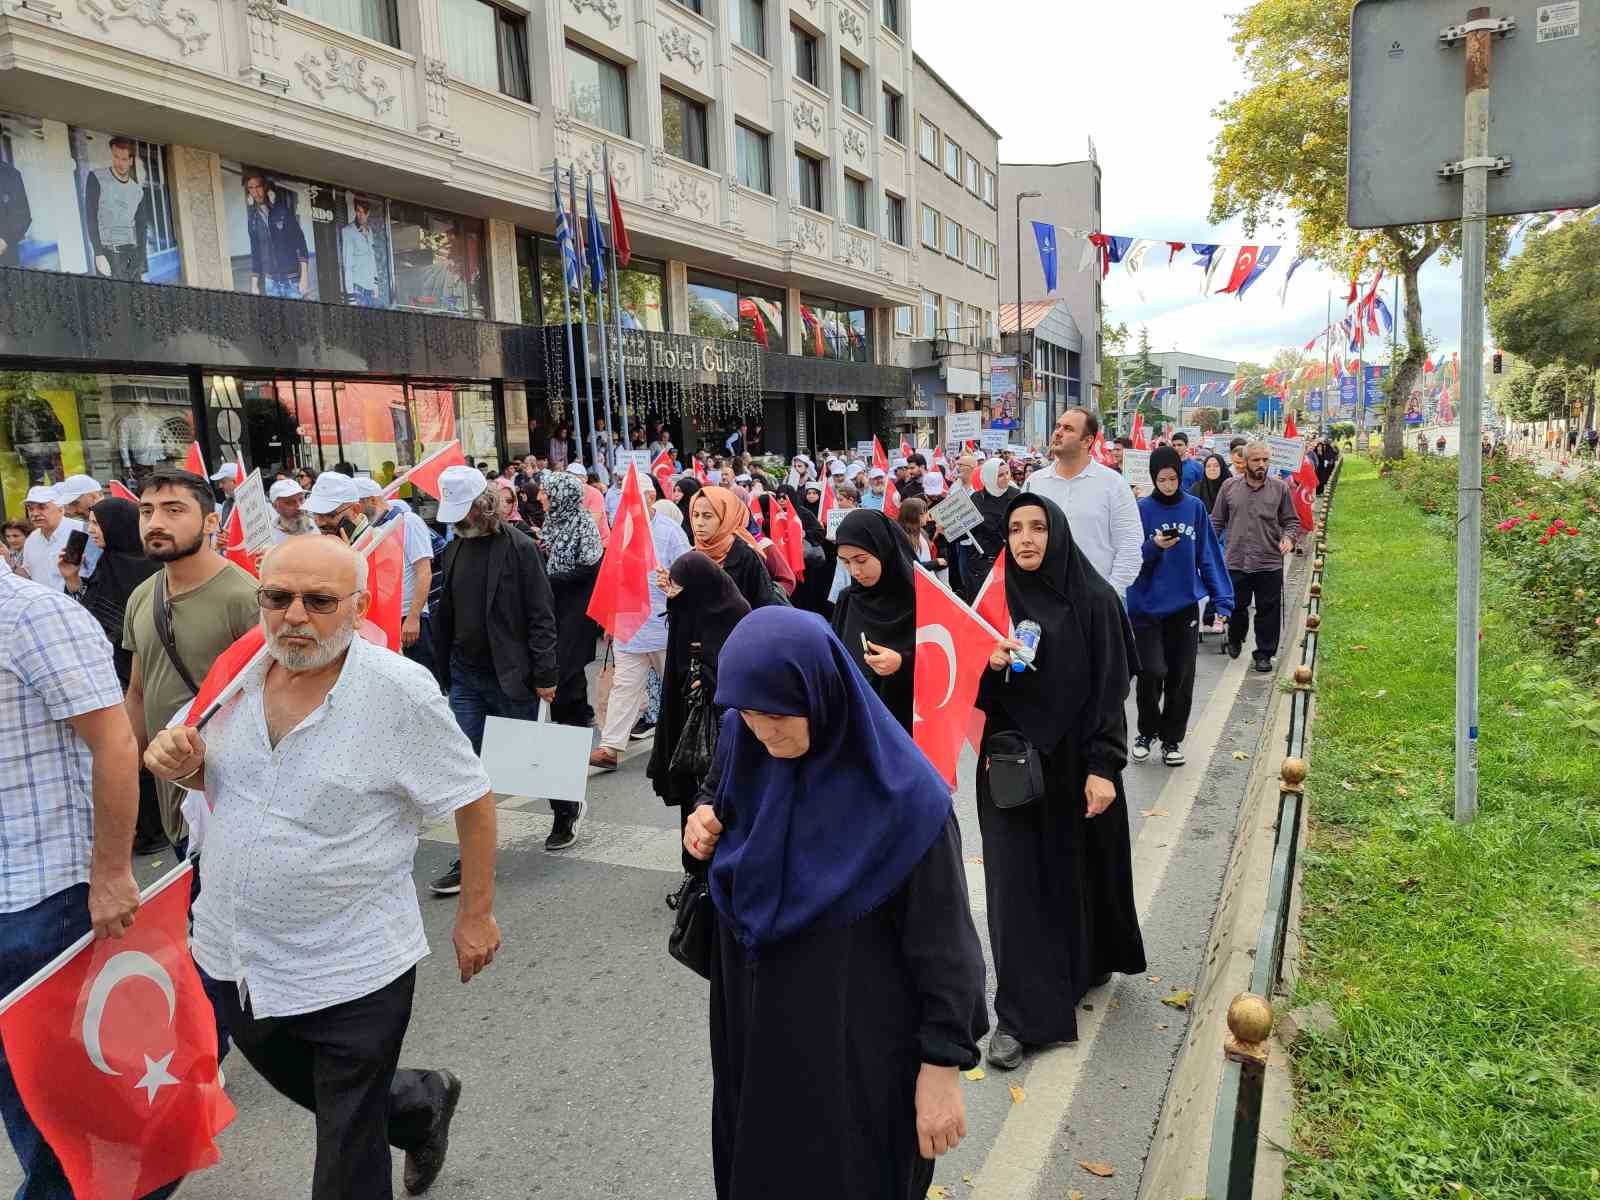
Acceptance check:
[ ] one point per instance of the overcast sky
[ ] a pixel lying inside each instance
(1141, 79)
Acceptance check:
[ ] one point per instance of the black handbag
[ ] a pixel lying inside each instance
(1016, 772)
(690, 939)
(697, 744)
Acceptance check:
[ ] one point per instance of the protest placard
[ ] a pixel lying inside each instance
(255, 514)
(956, 514)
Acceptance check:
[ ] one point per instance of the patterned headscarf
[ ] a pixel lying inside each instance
(569, 530)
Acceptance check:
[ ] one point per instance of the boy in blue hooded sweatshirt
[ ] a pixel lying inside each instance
(1182, 566)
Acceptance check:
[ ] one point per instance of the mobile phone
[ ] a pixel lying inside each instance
(347, 527)
(77, 541)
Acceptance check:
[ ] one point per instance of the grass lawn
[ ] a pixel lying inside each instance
(1463, 964)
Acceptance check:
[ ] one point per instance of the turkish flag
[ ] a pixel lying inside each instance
(906, 450)
(794, 540)
(425, 474)
(620, 602)
(663, 470)
(1140, 442)
(891, 501)
(121, 492)
(114, 1051)
(1242, 266)
(1097, 449)
(226, 669)
(990, 604)
(386, 570)
(1303, 491)
(945, 687)
(1288, 428)
(826, 505)
(700, 472)
(194, 462)
(233, 544)
(619, 231)
(879, 458)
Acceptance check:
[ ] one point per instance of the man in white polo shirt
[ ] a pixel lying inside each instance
(1101, 511)
(288, 519)
(41, 553)
(417, 560)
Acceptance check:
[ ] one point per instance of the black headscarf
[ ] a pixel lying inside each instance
(886, 612)
(1164, 458)
(122, 566)
(1086, 652)
(688, 485)
(1208, 489)
(815, 534)
(705, 611)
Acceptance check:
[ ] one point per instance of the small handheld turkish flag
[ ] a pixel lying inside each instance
(194, 462)
(386, 571)
(121, 492)
(219, 684)
(891, 502)
(879, 458)
(700, 472)
(425, 474)
(1303, 491)
(826, 506)
(990, 604)
(233, 544)
(945, 685)
(621, 600)
(1288, 429)
(113, 1048)
(794, 540)
(663, 469)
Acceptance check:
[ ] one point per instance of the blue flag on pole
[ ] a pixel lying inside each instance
(1045, 234)
(595, 248)
(569, 258)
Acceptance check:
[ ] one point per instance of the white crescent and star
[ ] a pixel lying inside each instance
(128, 964)
(939, 636)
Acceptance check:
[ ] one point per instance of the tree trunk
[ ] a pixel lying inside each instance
(1405, 372)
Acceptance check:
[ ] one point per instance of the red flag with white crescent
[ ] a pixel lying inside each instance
(879, 458)
(1303, 491)
(906, 449)
(1242, 266)
(794, 540)
(233, 544)
(1140, 442)
(121, 492)
(663, 469)
(827, 503)
(945, 685)
(425, 474)
(113, 1048)
(700, 472)
(386, 568)
(891, 501)
(195, 463)
(621, 601)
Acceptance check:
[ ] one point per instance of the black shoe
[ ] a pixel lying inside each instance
(424, 1164)
(642, 730)
(1005, 1051)
(448, 884)
(1234, 649)
(1172, 754)
(564, 832)
(154, 844)
(1262, 663)
(1102, 981)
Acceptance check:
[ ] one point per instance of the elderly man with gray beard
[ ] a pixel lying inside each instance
(309, 916)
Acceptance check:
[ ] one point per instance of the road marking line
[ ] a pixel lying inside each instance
(1018, 1155)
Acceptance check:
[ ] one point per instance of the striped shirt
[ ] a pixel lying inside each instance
(55, 663)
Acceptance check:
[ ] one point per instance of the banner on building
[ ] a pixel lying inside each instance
(1003, 392)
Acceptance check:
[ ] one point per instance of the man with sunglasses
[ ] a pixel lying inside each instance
(203, 602)
(309, 917)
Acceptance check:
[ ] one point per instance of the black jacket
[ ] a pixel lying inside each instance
(15, 216)
(522, 617)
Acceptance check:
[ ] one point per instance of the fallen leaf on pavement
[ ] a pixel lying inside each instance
(1153, 812)
(1103, 1170)
(975, 1074)
(1153, 978)
(967, 1179)
(1160, 1026)
(1239, 756)
(1178, 999)
(1017, 1094)
(1074, 1194)
(938, 1192)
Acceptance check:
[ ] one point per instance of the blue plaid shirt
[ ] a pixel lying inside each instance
(55, 663)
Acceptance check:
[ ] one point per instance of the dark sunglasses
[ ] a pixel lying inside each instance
(278, 599)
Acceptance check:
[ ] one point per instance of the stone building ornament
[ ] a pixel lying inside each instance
(807, 232)
(344, 72)
(436, 86)
(675, 43)
(855, 250)
(851, 24)
(181, 25)
(685, 195)
(609, 10)
(808, 116)
(263, 18)
(591, 161)
(854, 141)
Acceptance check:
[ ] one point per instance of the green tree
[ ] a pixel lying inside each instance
(1209, 419)
(1283, 150)
(1544, 305)
(1512, 392)
(1113, 343)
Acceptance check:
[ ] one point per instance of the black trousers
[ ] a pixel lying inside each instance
(1167, 650)
(340, 1064)
(1266, 588)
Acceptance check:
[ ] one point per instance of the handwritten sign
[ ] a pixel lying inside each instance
(1286, 454)
(255, 515)
(957, 515)
(993, 439)
(836, 518)
(962, 427)
(639, 458)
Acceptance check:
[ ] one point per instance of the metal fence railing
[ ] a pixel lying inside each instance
(1236, 1128)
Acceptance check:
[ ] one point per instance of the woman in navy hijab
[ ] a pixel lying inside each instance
(846, 975)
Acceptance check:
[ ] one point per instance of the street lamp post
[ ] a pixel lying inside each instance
(1021, 196)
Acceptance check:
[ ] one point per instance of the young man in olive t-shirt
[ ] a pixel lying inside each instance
(212, 604)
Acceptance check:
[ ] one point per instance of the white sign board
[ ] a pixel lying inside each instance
(864, 450)
(255, 514)
(836, 518)
(993, 439)
(1286, 454)
(1557, 21)
(537, 758)
(963, 427)
(957, 515)
(1136, 468)
(639, 458)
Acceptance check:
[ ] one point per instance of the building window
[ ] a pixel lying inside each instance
(597, 90)
(694, 6)
(928, 141)
(755, 159)
(761, 316)
(805, 56)
(974, 252)
(851, 87)
(808, 181)
(972, 175)
(485, 46)
(952, 240)
(894, 219)
(988, 259)
(902, 321)
(683, 127)
(641, 289)
(832, 330)
(892, 119)
(375, 19)
(750, 25)
(952, 160)
(930, 227)
(855, 202)
(952, 319)
(970, 326)
(988, 187)
(930, 314)
(891, 15)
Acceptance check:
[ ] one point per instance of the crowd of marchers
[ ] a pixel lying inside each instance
(823, 894)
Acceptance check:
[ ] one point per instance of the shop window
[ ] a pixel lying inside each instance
(713, 306)
(597, 90)
(438, 261)
(485, 46)
(761, 312)
(375, 19)
(109, 426)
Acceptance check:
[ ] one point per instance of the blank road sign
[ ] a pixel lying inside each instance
(1407, 92)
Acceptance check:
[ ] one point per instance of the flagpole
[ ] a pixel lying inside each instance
(616, 304)
(1327, 348)
(566, 311)
(1361, 374)
(583, 322)
(600, 322)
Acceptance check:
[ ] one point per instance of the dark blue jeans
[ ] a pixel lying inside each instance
(475, 696)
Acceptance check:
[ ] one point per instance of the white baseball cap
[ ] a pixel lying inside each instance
(233, 471)
(897, 463)
(42, 493)
(876, 473)
(578, 469)
(74, 487)
(332, 490)
(282, 489)
(459, 486)
(367, 487)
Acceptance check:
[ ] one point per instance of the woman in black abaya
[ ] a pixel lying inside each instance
(992, 495)
(1058, 873)
(846, 976)
(811, 593)
(876, 616)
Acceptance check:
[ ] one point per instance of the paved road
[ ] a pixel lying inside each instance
(583, 1050)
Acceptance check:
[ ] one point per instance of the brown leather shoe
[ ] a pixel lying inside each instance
(603, 758)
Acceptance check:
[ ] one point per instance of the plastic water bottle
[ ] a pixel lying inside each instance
(1027, 633)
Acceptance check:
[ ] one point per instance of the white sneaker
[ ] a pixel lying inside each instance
(1141, 748)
